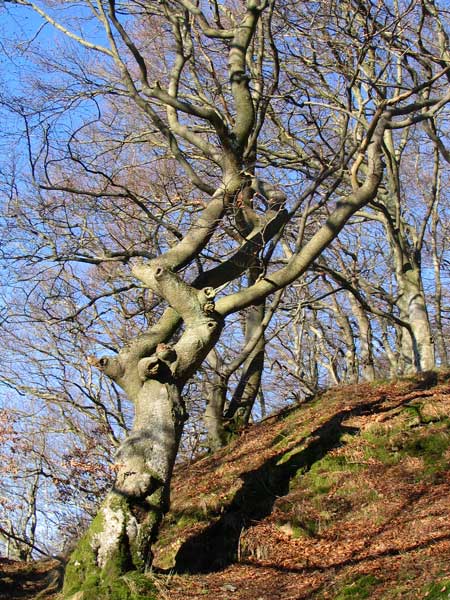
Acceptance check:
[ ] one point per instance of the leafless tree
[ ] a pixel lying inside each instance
(179, 146)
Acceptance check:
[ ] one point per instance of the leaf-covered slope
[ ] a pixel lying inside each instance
(21, 580)
(347, 496)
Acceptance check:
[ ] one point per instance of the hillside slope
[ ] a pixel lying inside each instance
(347, 496)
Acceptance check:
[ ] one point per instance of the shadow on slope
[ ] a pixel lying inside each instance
(218, 545)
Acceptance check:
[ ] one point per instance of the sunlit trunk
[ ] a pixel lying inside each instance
(121, 535)
(213, 416)
(246, 392)
(417, 345)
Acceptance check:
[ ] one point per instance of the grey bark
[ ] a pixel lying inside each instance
(246, 392)
(150, 370)
(343, 322)
(436, 254)
(417, 347)
(365, 340)
(216, 394)
(121, 536)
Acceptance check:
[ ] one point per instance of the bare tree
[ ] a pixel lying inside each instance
(256, 131)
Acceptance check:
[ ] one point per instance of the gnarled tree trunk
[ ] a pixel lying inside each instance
(121, 535)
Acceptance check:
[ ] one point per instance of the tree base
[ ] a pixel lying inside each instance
(107, 562)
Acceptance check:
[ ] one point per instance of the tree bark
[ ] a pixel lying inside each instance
(213, 416)
(127, 523)
(417, 348)
(365, 340)
(246, 392)
(121, 535)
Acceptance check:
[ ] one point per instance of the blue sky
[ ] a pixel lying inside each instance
(21, 30)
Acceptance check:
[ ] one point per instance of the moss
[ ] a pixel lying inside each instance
(358, 589)
(190, 518)
(380, 382)
(287, 456)
(306, 528)
(432, 448)
(324, 474)
(290, 435)
(429, 442)
(299, 527)
(382, 445)
(130, 586)
(176, 529)
(365, 495)
(428, 412)
(440, 590)
(82, 571)
(282, 439)
(147, 527)
(321, 483)
(117, 580)
(414, 417)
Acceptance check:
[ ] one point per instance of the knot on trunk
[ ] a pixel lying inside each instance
(159, 366)
(149, 367)
(134, 481)
(111, 366)
(209, 308)
(209, 292)
(166, 352)
(206, 300)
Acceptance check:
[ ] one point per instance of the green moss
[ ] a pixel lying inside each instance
(191, 518)
(321, 483)
(382, 445)
(153, 518)
(306, 528)
(437, 591)
(297, 532)
(287, 456)
(117, 580)
(324, 474)
(358, 589)
(82, 571)
(366, 494)
(380, 382)
(176, 530)
(282, 439)
(433, 449)
(131, 586)
(426, 442)
(414, 417)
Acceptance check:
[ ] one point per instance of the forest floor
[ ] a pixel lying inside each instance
(344, 497)
(21, 580)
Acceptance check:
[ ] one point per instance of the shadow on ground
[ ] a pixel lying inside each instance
(217, 546)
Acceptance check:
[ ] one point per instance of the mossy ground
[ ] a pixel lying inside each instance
(362, 587)
(439, 590)
(344, 497)
(350, 499)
